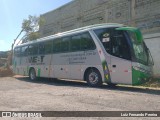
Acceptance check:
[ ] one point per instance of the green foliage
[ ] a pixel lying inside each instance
(33, 35)
(31, 27)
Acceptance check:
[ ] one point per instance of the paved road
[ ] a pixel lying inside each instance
(21, 94)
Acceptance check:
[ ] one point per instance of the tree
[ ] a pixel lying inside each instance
(31, 27)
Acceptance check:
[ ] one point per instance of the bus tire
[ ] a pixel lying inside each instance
(93, 78)
(32, 74)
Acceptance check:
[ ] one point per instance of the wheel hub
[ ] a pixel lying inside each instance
(32, 75)
(93, 78)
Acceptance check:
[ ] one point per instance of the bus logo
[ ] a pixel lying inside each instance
(36, 59)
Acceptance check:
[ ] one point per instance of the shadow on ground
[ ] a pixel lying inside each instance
(82, 84)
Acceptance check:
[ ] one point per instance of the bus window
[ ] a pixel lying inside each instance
(48, 47)
(56, 45)
(17, 51)
(114, 42)
(87, 42)
(75, 43)
(24, 51)
(33, 49)
(65, 44)
(104, 37)
(140, 49)
(119, 45)
(41, 48)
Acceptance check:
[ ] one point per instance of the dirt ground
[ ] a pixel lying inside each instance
(20, 94)
(5, 72)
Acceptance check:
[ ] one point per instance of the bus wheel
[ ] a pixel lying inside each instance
(94, 78)
(32, 74)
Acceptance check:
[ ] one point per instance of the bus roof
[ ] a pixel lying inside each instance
(96, 26)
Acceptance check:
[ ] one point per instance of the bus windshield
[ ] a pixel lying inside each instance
(140, 49)
(115, 43)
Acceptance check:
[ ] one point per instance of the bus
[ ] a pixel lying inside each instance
(103, 53)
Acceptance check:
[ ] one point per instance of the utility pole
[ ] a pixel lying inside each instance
(10, 56)
(16, 39)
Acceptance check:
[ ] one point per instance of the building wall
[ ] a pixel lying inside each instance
(144, 14)
(153, 43)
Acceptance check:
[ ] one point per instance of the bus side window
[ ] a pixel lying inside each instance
(75, 43)
(30, 50)
(65, 44)
(56, 45)
(17, 52)
(24, 51)
(104, 37)
(87, 42)
(41, 48)
(48, 47)
(33, 49)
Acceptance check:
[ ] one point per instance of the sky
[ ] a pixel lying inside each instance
(12, 13)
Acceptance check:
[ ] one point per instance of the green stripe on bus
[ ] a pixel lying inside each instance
(139, 77)
(39, 72)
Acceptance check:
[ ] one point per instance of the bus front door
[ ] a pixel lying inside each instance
(121, 65)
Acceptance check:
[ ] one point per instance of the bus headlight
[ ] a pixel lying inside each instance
(139, 69)
(142, 70)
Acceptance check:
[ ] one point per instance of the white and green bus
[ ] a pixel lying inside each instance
(102, 53)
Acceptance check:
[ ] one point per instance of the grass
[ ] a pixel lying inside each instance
(154, 82)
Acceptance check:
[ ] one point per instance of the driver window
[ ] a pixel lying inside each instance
(119, 45)
(114, 42)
